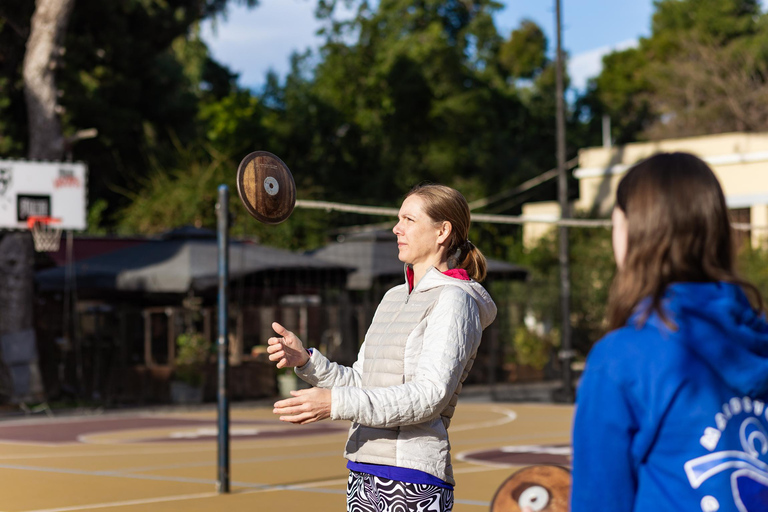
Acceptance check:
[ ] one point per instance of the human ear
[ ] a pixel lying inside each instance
(444, 233)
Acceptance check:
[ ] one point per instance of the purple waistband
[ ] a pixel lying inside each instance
(411, 476)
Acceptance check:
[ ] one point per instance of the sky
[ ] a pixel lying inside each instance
(251, 42)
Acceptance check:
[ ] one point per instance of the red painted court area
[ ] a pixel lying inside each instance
(165, 461)
(180, 429)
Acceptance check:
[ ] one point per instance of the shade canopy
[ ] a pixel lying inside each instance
(176, 265)
(373, 255)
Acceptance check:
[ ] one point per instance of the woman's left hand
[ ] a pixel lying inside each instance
(305, 406)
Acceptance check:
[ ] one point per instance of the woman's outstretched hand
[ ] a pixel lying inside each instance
(287, 350)
(305, 406)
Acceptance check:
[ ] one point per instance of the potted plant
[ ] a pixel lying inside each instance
(287, 381)
(188, 381)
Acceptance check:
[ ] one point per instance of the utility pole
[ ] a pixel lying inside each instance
(566, 351)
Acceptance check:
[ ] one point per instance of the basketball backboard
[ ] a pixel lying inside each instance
(48, 189)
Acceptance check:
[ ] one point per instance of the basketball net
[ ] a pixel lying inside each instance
(46, 235)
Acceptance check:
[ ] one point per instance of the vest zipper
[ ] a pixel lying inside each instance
(408, 295)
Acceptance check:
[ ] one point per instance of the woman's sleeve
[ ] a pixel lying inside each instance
(451, 339)
(321, 372)
(604, 476)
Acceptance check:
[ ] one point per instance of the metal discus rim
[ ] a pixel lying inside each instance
(266, 187)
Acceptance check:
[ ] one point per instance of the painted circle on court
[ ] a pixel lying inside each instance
(524, 455)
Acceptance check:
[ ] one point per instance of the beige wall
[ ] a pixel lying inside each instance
(740, 161)
(545, 210)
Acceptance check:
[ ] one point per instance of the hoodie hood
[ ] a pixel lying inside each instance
(434, 278)
(717, 323)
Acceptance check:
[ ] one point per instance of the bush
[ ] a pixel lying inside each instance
(192, 353)
(532, 349)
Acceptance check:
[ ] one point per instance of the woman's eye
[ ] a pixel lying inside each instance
(535, 498)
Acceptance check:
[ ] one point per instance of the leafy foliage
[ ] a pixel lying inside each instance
(591, 271)
(193, 351)
(187, 195)
(701, 71)
(525, 53)
(135, 70)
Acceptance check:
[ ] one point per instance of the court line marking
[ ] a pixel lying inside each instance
(209, 495)
(481, 469)
(255, 487)
(183, 497)
(205, 446)
(301, 456)
(511, 438)
(467, 442)
(112, 437)
(129, 502)
(509, 415)
(463, 455)
(68, 471)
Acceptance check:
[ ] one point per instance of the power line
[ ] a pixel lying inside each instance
(384, 211)
(527, 185)
(478, 217)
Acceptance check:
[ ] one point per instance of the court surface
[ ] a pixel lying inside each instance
(167, 460)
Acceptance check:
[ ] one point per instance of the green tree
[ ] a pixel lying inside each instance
(411, 91)
(700, 71)
(15, 20)
(592, 270)
(524, 55)
(135, 70)
(187, 192)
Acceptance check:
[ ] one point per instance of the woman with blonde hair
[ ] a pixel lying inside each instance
(671, 409)
(401, 392)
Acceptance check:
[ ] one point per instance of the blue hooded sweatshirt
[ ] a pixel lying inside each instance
(676, 419)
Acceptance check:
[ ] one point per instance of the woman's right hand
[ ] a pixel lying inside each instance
(287, 350)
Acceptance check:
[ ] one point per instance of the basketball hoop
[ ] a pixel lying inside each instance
(47, 237)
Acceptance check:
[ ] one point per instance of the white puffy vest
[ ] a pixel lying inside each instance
(402, 391)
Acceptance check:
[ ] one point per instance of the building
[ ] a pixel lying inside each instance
(740, 161)
(109, 324)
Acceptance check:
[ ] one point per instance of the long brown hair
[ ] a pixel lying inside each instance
(445, 204)
(678, 230)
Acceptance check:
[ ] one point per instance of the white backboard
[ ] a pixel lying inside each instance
(51, 189)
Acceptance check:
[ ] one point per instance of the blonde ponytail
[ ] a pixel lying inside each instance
(474, 263)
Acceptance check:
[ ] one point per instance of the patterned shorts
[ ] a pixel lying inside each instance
(368, 493)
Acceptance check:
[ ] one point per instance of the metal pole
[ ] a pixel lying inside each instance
(222, 214)
(566, 352)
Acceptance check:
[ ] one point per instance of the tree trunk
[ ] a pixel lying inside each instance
(49, 24)
(20, 379)
(46, 142)
(16, 256)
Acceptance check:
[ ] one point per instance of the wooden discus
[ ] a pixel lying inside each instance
(539, 488)
(266, 187)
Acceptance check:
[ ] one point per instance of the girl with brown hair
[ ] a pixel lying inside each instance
(401, 392)
(671, 409)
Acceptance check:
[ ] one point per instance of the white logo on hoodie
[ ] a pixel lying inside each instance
(749, 481)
